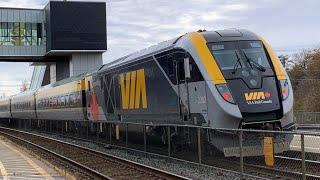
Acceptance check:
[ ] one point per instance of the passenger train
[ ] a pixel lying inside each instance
(228, 79)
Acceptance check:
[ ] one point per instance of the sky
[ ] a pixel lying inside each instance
(289, 25)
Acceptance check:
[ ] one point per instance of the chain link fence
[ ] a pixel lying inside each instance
(307, 117)
(267, 154)
(306, 99)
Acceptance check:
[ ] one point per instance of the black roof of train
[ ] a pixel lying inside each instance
(210, 36)
(229, 35)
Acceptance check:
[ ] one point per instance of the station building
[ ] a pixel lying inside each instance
(61, 40)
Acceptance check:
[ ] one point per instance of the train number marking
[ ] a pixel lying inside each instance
(202, 100)
(133, 89)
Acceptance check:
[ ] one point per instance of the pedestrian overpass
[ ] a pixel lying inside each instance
(61, 40)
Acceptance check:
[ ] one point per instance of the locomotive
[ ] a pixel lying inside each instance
(224, 79)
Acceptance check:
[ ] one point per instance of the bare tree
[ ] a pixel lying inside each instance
(284, 59)
(305, 78)
(24, 86)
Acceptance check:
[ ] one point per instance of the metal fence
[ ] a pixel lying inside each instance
(268, 154)
(307, 117)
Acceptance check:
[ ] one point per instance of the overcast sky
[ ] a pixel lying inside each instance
(288, 25)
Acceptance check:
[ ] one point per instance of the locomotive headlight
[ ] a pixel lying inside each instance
(284, 89)
(225, 93)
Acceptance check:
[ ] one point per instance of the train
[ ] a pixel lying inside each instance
(224, 79)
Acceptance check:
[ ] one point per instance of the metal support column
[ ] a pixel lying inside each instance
(98, 131)
(199, 144)
(241, 153)
(169, 141)
(144, 139)
(87, 133)
(127, 136)
(110, 134)
(66, 127)
(62, 127)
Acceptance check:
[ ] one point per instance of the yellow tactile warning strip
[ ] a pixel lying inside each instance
(16, 165)
(3, 171)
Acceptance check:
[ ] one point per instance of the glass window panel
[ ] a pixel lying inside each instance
(12, 33)
(34, 34)
(39, 30)
(34, 29)
(27, 41)
(22, 29)
(28, 29)
(254, 51)
(10, 28)
(3, 29)
(15, 40)
(39, 34)
(2, 41)
(226, 58)
(22, 40)
(39, 41)
(7, 39)
(34, 40)
(21, 34)
(9, 42)
(16, 29)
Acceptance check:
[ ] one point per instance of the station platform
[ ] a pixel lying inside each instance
(312, 143)
(16, 164)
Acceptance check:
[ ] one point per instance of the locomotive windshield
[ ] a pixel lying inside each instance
(240, 54)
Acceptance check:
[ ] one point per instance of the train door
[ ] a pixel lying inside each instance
(88, 96)
(182, 86)
(196, 91)
(191, 89)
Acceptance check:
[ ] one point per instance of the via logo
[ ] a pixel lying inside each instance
(133, 90)
(257, 95)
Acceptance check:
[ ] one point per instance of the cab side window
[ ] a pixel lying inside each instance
(194, 71)
(172, 63)
(167, 64)
(180, 69)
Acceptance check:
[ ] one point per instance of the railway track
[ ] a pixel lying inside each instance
(89, 163)
(287, 167)
(252, 166)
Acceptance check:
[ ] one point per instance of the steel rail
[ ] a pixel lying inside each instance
(287, 172)
(298, 159)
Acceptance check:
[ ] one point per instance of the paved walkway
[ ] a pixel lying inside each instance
(15, 164)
